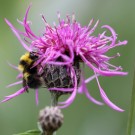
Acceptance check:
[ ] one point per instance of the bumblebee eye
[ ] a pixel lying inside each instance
(33, 55)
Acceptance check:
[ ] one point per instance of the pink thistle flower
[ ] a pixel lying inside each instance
(70, 41)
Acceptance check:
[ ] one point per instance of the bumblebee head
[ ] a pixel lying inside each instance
(27, 60)
(33, 56)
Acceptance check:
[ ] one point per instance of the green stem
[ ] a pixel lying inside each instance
(131, 120)
(54, 98)
(48, 133)
(54, 102)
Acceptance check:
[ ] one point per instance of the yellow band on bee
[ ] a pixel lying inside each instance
(26, 57)
(21, 68)
(26, 75)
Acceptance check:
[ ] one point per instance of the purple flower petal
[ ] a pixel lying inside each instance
(62, 89)
(82, 89)
(36, 96)
(73, 95)
(19, 92)
(106, 99)
(18, 36)
(102, 72)
(13, 84)
(26, 25)
(13, 66)
(113, 33)
(88, 95)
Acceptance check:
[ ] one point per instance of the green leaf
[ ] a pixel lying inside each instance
(131, 119)
(30, 132)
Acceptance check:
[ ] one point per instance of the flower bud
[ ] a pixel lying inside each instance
(50, 119)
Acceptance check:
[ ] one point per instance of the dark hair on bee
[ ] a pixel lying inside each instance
(31, 78)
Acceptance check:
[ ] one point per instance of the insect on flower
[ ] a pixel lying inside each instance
(60, 51)
(31, 78)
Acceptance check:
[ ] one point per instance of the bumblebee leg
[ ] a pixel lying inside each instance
(25, 84)
(27, 90)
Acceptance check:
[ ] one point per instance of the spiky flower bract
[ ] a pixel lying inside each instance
(50, 119)
(69, 40)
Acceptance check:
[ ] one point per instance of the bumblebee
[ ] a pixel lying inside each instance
(31, 78)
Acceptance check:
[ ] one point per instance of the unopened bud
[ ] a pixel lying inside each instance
(50, 119)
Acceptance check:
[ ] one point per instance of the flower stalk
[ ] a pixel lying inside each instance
(54, 98)
(131, 119)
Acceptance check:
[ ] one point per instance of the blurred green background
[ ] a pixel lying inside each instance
(82, 117)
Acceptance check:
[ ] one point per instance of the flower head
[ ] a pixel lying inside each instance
(63, 44)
